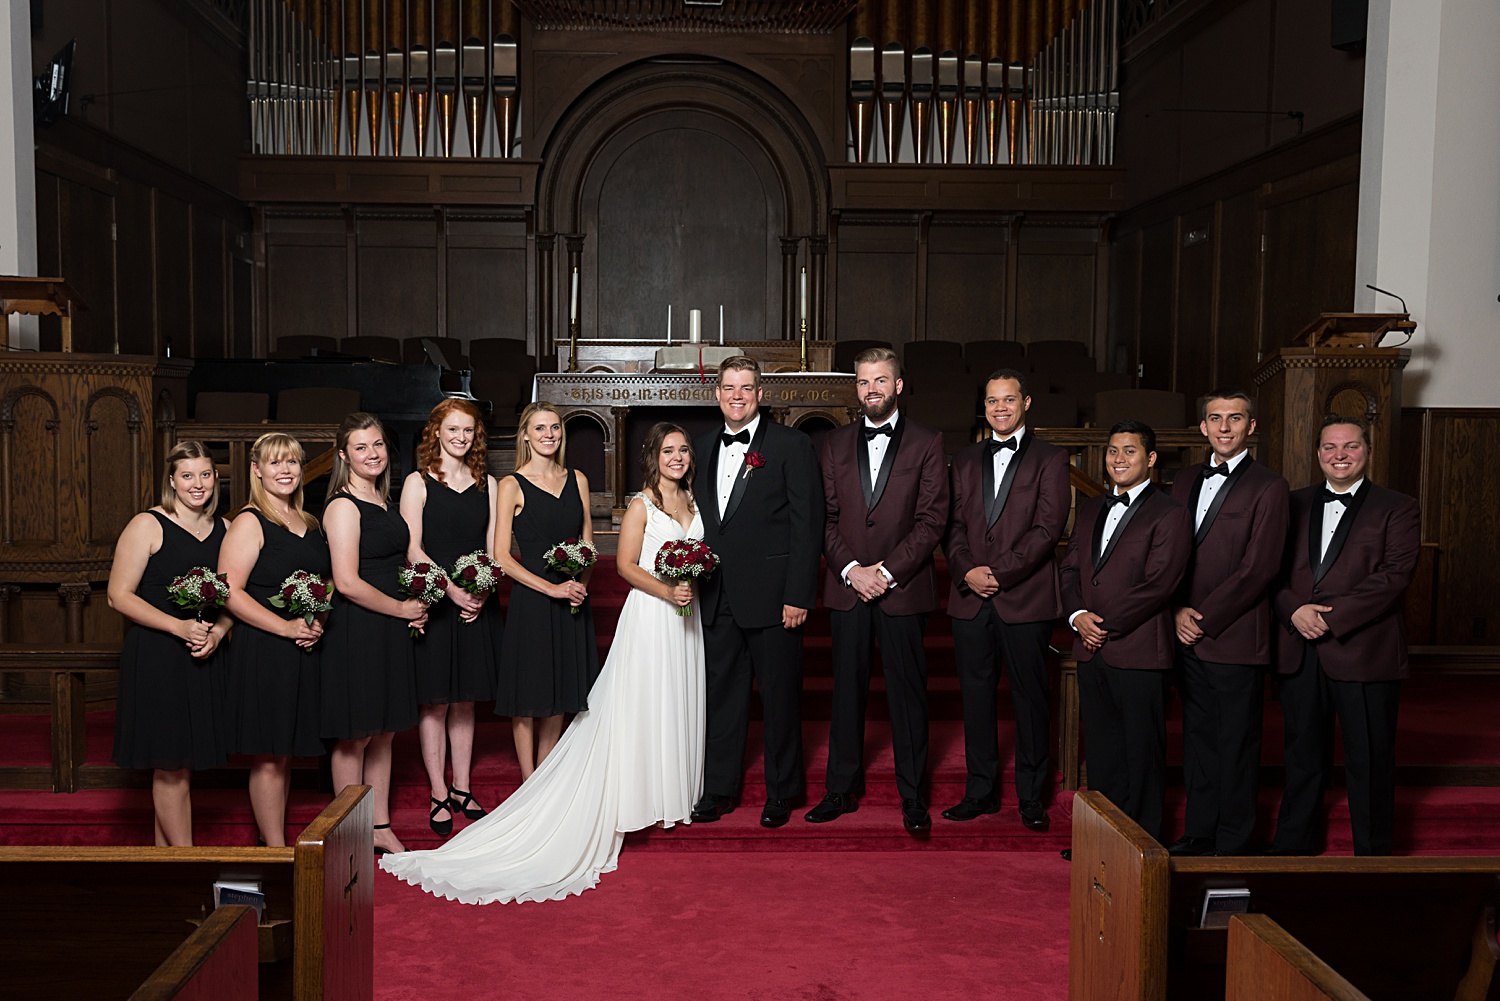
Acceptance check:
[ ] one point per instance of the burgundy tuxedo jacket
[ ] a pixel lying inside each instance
(1369, 563)
(1236, 559)
(1131, 583)
(898, 519)
(1015, 536)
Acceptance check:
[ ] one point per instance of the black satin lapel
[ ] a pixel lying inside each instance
(987, 484)
(746, 471)
(1315, 534)
(1213, 509)
(1099, 535)
(862, 460)
(1009, 477)
(1130, 513)
(1341, 533)
(891, 451)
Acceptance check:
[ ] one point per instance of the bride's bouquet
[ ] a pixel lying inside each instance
(304, 594)
(476, 573)
(199, 589)
(571, 558)
(685, 559)
(425, 582)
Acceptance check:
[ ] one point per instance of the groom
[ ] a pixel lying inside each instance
(762, 501)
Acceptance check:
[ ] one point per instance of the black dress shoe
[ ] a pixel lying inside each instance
(914, 817)
(776, 813)
(711, 807)
(972, 807)
(833, 806)
(1034, 815)
(1276, 852)
(1191, 846)
(1067, 854)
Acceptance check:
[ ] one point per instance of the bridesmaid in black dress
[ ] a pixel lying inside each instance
(549, 659)
(270, 673)
(449, 506)
(165, 714)
(369, 675)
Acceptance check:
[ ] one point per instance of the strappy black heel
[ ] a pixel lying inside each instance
(439, 827)
(379, 850)
(466, 805)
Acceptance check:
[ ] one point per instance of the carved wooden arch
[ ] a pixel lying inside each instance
(8, 407)
(133, 411)
(729, 92)
(140, 461)
(8, 486)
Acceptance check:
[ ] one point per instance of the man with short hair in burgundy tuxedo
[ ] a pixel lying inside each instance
(762, 504)
(885, 490)
(1354, 548)
(1224, 629)
(1011, 497)
(1125, 558)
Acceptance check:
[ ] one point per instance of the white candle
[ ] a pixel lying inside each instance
(721, 324)
(669, 324)
(573, 307)
(804, 295)
(695, 321)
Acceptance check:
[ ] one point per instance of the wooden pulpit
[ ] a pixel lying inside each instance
(39, 297)
(1335, 367)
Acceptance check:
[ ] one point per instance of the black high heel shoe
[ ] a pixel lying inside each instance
(439, 827)
(379, 850)
(466, 805)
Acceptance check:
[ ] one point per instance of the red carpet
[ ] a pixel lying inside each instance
(822, 927)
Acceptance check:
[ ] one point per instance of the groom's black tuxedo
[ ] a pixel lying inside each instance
(768, 541)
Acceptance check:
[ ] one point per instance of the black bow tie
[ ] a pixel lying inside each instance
(1222, 469)
(743, 437)
(1121, 499)
(992, 446)
(1344, 499)
(870, 432)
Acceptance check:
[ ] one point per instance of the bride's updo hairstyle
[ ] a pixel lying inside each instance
(652, 469)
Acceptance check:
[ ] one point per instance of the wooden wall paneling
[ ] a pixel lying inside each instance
(307, 271)
(486, 269)
(113, 456)
(136, 245)
(242, 305)
(1193, 357)
(174, 250)
(1055, 292)
(1102, 253)
(919, 305)
(877, 279)
(966, 266)
(88, 262)
(31, 426)
(1227, 65)
(1125, 303)
(1237, 245)
(397, 269)
(1469, 523)
(1154, 355)
(210, 292)
(1309, 227)
(440, 260)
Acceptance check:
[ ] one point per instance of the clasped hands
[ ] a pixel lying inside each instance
(200, 638)
(868, 582)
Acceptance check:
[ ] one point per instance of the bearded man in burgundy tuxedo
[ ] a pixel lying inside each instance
(885, 492)
(1223, 622)
(1354, 548)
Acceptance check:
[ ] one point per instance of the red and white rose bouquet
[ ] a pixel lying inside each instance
(685, 559)
(476, 573)
(425, 582)
(571, 557)
(199, 589)
(304, 594)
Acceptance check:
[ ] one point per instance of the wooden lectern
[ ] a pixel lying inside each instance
(1335, 367)
(39, 297)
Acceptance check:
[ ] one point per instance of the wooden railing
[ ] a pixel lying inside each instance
(315, 438)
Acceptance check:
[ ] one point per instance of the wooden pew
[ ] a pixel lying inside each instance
(1405, 929)
(95, 922)
(216, 963)
(1267, 964)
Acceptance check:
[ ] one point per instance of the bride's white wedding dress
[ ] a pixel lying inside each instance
(634, 758)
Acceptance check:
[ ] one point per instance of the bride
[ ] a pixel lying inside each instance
(632, 759)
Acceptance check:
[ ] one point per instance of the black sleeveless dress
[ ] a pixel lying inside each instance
(270, 685)
(165, 716)
(550, 657)
(456, 661)
(369, 677)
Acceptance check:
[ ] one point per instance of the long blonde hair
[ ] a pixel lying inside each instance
(523, 447)
(268, 447)
(185, 450)
(338, 480)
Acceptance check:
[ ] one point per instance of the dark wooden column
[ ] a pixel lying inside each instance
(546, 336)
(817, 281)
(789, 314)
(73, 596)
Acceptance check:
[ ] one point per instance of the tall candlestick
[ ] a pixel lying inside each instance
(721, 324)
(804, 295)
(695, 326)
(573, 302)
(669, 324)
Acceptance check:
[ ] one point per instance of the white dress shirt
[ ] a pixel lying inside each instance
(1212, 485)
(1111, 523)
(1003, 456)
(876, 447)
(1333, 511)
(732, 461)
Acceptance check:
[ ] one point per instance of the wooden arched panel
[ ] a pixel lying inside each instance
(114, 455)
(30, 434)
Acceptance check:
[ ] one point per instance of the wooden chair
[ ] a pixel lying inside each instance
(495, 352)
(1085, 384)
(844, 352)
(1041, 353)
(505, 389)
(984, 357)
(231, 408)
(291, 347)
(1160, 408)
(951, 412)
(370, 346)
(933, 356)
(1052, 410)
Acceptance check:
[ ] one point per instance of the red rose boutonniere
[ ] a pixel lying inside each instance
(753, 460)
